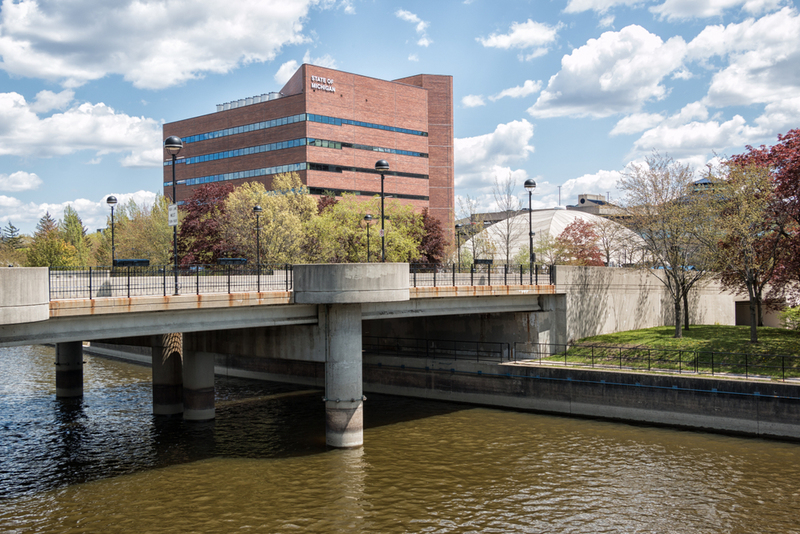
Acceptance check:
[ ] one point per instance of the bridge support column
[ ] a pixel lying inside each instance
(344, 401)
(198, 385)
(69, 369)
(167, 374)
(340, 290)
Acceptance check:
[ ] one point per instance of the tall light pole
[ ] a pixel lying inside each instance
(382, 166)
(173, 145)
(459, 226)
(530, 185)
(257, 210)
(111, 201)
(368, 219)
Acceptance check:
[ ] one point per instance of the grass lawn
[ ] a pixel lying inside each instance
(706, 349)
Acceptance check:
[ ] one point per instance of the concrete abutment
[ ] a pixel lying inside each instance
(69, 369)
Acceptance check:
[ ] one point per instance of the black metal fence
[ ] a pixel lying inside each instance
(432, 275)
(139, 281)
(476, 351)
(98, 282)
(667, 360)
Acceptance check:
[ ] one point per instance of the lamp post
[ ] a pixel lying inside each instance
(530, 185)
(257, 210)
(382, 166)
(173, 145)
(368, 219)
(111, 201)
(459, 226)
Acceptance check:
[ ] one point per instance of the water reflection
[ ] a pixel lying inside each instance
(104, 463)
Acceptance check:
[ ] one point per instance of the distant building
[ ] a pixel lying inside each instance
(597, 205)
(330, 127)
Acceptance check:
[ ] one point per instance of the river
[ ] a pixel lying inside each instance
(105, 464)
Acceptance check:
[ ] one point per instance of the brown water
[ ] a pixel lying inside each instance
(105, 465)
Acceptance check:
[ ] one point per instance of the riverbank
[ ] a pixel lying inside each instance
(756, 408)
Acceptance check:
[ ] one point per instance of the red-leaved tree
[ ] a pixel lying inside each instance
(433, 241)
(579, 242)
(200, 236)
(783, 160)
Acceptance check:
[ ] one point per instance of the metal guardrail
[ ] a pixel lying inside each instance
(437, 349)
(667, 360)
(140, 281)
(99, 282)
(433, 275)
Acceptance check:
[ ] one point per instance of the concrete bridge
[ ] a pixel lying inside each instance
(319, 318)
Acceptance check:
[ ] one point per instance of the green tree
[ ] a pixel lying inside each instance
(286, 211)
(11, 246)
(74, 233)
(49, 248)
(140, 231)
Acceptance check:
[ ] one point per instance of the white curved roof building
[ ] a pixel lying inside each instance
(549, 222)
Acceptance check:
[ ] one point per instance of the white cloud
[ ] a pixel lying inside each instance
(687, 9)
(606, 22)
(600, 183)
(524, 35)
(421, 26)
(19, 181)
(762, 58)
(695, 140)
(780, 116)
(472, 101)
(413, 57)
(94, 127)
(286, 70)
(61, 41)
(615, 73)
(638, 122)
(528, 88)
(479, 157)
(598, 6)
(48, 100)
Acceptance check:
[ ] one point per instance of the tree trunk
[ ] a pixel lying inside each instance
(753, 322)
(686, 311)
(678, 332)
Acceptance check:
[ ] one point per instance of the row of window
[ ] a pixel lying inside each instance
(340, 192)
(293, 119)
(270, 147)
(292, 167)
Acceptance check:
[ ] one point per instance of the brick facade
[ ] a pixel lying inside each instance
(422, 104)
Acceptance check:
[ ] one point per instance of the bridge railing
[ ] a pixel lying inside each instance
(451, 274)
(135, 281)
(644, 358)
(437, 349)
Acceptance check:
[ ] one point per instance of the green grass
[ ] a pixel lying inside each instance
(707, 349)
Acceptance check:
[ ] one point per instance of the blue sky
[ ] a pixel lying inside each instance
(568, 92)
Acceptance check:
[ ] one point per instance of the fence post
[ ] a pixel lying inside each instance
(472, 275)
(505, 274)
(536, 276)
(489, 274)
(434, 275)
(90, 284)
(454, 275)
(712, 363)
(129, 281)
(164, 271)
(745, 366)
(228, 268)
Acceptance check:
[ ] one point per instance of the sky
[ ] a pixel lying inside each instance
(567, 92)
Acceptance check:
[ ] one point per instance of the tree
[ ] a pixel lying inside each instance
(286, 212)
(662, 211)
(11, 237)
(507, 202)
(11, 251)
(579, 242)
(74, 233)
(611, 238)
(200, 239)
(48, 248)
(140, 231)
(783, 162)
(433, 242)
(479, 242)
(747, 247)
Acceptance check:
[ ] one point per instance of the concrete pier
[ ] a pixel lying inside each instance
(344, 404)
(167, 374)
(339, 290)
(69, 369)
(198, 385)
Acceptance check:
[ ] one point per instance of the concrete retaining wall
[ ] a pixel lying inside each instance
(24, 295)
(602, 300)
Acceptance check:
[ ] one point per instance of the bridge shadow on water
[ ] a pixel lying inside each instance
(48, 443)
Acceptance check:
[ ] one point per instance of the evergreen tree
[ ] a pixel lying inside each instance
(11, 237)
(49, 249)
(74, 233)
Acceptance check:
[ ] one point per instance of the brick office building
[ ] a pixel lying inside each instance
(331, 127)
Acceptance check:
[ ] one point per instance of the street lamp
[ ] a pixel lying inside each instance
(382, 166)
(257, 210)
(368, 219)
(173, 145)
(459, 226)
(111, 201)
(530, 185)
